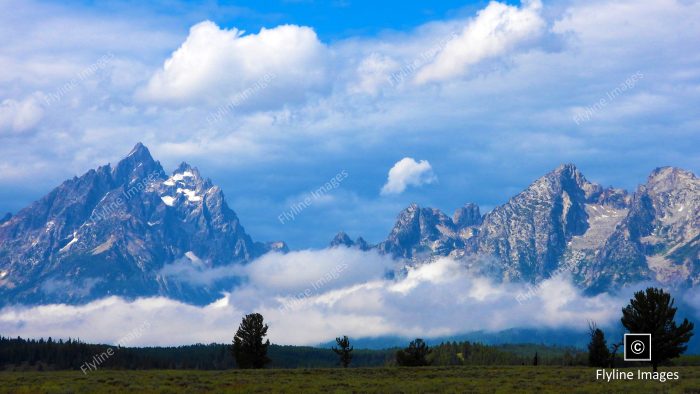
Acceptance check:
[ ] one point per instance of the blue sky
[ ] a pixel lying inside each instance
(332, 20)
(488, 96)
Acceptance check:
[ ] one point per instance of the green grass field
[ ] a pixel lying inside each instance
(374, 380)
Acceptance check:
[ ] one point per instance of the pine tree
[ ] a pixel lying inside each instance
(248, 347)
(415, 355)
(598, 354)
(344, 350)
(652, 312)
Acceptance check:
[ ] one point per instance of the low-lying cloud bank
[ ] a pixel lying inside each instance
(310, 297)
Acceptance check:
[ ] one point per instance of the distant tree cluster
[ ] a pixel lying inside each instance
(471, 353)
(24, 354)
(415, 355)
(42, 353)
(29, 354)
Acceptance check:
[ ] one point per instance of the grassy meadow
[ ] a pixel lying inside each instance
(542, 379)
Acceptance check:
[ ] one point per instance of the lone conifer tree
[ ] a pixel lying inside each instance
(415, 355)
(344, 350)
(248, 347)
(598, 353)
(652, 312)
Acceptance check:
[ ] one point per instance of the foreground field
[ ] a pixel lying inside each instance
(379, 380)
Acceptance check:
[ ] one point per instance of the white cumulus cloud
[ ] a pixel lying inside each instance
(408, 172)
(497, 29)
(214, 64)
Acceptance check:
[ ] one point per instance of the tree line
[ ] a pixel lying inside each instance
(250, 351)
(42, 354)
(48, 354)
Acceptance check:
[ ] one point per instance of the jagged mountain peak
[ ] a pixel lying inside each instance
(412, 207)
(570, 179)
(185, 167)
(567, 175)
(187, 172)
(362, 244)
(420, 230)
(566, 168)
(139, 150)
(138, 164)
(186, 184)
(565, 182)
(530, 232)
(138, 154)
(343, 239)
(414, 210)
(670, 171)
(468, 215)
(670, 177)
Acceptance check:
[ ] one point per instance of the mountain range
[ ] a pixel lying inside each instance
(112, 231)
(605, 237)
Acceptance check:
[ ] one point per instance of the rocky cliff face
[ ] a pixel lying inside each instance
(660, 236)
(529, 233)
(467, 216)
(110, 232)
(422, 232)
